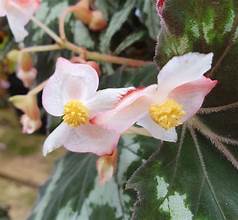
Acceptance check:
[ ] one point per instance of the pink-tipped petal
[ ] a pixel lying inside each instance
(93, 139)
(18, 15)
(156, 131)
(183, 69)
(69, 81)
(132, 107)
(106, 166)
(106, 99)
(57, 138)
(191, 95)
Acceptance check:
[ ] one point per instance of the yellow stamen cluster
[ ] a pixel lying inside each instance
(168, 114)
(75, 113)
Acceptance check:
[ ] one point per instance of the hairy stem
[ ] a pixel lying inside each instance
(64, 44)
(218, 109)
(62, 21)
(38, 88)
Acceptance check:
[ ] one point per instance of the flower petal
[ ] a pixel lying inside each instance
(69, 81)
(79, 76)
(131, 108)
(57, 138)
(191, 95)
(156, 131)
(3, 11)
(18, 15)
(93, 139)
(106, 99)
(183, 69)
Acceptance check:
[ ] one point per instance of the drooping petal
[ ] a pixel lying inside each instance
(106, 166)
(57, 138)
(70, 81)
(191, 95)
(93, 139)
(19, 14)
(156, 131)
(183, 69)
(131, 108)
(106, 99)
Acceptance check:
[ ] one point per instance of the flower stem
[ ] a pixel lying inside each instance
(38, 88)
(42, 48)
(51, 33)
(64, 44)
(62, 20)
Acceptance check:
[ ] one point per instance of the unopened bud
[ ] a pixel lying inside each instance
(25, 62)
(98, 22)
(106, 166)
(13, 56)
(82, 11)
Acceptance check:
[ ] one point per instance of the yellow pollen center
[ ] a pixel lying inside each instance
(75, 113)
(168, 114)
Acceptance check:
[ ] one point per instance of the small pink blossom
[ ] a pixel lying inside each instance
(30, 125)
(31, 119)
(106, 166)
(71, 92)
(159, 108)
(18, 13)
(27, 77)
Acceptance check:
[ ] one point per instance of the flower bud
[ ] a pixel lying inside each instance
(98, 22)
(13, 56)
(82, 11)
(25, 61)
(29, 125)
(31, 119)
(106, 166)
(27, 77)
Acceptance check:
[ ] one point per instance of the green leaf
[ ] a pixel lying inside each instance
(129, 40)
(116, 22)
(82, 36)
(73, 191)
(197, 177)
(150, 18)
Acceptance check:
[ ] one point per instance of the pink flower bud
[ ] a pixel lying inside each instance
(106, 166)
(31, 119)
(98, 21)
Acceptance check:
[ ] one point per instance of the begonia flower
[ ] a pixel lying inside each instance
(159, 108)
(31, 119)
(71, 92)
(106, 166)
(18, 13)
